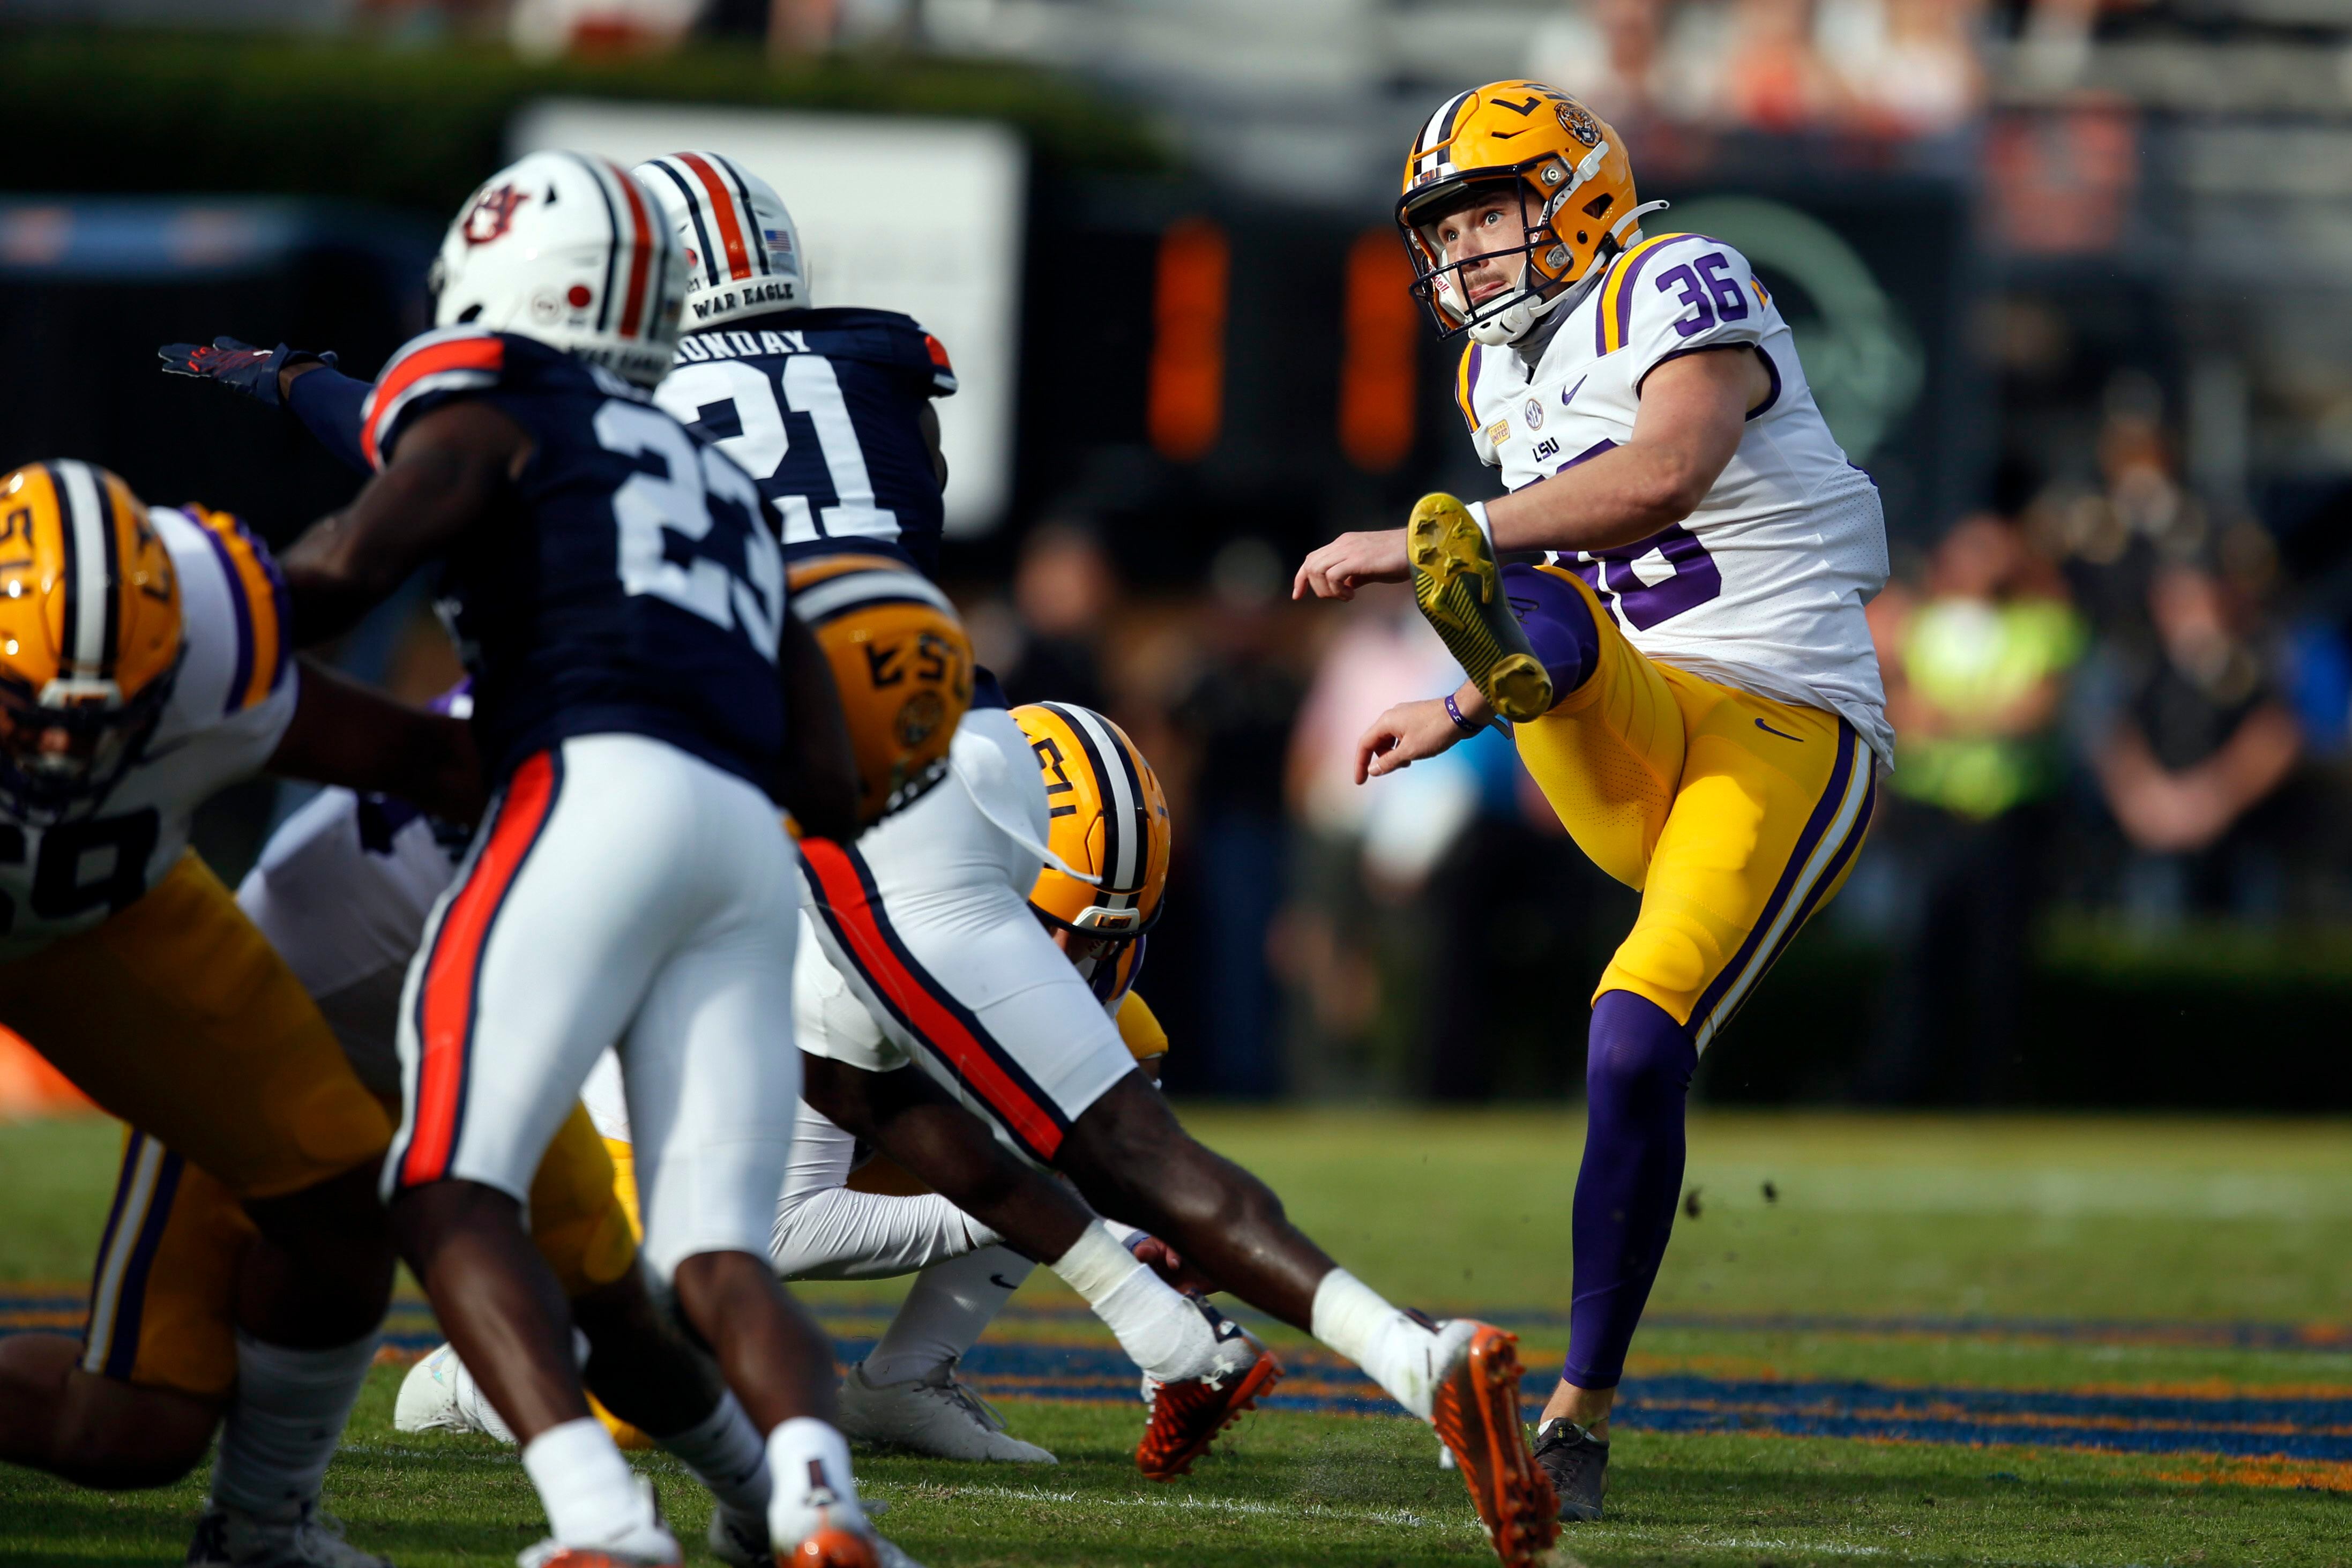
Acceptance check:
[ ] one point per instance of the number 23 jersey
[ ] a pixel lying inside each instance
(231, 700)
(1763, 586)
(632, 582)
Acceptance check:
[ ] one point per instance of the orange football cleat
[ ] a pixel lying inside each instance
(1477, 1417)
(831, 1548)
(1187, 1417)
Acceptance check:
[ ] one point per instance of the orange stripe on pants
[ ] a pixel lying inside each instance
(446, 1005)
(935, 1021)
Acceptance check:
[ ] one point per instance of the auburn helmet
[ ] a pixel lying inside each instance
(571, 250)
(902, 661)
(1576, 203)
(1105, 816)
(90, 636)
(743, 250)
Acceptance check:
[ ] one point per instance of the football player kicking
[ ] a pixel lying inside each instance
(1689, 670)
(145, 665)
(619, 599)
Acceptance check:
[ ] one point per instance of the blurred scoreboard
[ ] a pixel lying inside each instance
(1205, 362)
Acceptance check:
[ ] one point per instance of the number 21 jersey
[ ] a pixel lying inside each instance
(823, 410)
(632, 584)
(1763, 586)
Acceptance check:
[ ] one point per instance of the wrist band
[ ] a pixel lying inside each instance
(1477, 510)
(1454, 713)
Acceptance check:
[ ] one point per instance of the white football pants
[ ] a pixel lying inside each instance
(621, 893)
(925, 949)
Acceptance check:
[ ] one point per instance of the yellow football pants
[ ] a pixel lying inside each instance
(177, 1015)
(163, 1295)
(1734, 816)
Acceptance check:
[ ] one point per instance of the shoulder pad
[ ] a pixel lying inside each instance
(884, 337)
(455, 359)
(257, 605)
(1695, 310)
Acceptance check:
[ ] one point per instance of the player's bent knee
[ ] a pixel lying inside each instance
(1558, 623)
(1636, 1048)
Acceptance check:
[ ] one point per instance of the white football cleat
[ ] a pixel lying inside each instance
(440, 1396)
(303, 1536)
(647, 1546)
(933, 1415)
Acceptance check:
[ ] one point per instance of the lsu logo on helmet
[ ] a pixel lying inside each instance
(903, 665)
(1106, 816)
(89, 636)
(1574, 186)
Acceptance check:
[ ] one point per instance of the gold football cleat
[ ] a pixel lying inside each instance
(1459, 586)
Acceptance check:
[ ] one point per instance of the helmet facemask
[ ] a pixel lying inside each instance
(1541, 285)
(1441, 285)
(63, 750)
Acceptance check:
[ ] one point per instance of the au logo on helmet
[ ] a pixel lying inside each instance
(492, 214)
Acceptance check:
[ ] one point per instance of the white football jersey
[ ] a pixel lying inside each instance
(230, 704)
(1762, 587)
(342, 890)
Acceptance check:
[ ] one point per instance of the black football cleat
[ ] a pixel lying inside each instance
(1578, 1463)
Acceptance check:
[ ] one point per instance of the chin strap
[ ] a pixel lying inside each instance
(1633, 220)
(1021, 835)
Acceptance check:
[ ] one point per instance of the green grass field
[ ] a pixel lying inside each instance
(2011, 1341)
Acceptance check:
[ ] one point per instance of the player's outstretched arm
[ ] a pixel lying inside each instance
(447, 475)
(304, 383)
(914, 1122)
(818, 780)
(1693, 411)
(346, 734)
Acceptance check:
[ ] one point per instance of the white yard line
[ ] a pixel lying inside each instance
(1395, 1517)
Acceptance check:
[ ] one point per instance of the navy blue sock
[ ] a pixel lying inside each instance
(1637, 1075)
(1559, 623)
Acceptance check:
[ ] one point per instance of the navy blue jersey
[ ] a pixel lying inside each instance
(824, 409)
(635, 585)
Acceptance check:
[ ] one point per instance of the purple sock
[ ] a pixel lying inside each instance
(1637, 1075)
(1558, 625)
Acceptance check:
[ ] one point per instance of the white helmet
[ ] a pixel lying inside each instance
(570, 249)
(743, 251)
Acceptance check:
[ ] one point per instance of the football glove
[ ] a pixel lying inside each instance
(240, 366)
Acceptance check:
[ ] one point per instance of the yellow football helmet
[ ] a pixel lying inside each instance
(1575, 189)
(903, 663)
(90, 636)
(1106, 816)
